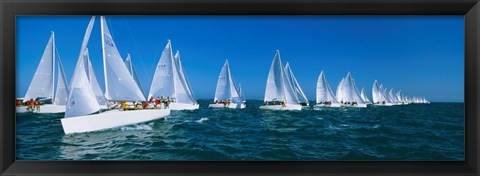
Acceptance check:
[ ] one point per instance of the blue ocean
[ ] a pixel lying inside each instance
(406, 132)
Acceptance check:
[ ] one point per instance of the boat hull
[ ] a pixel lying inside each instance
(231, 106)
(355, 106)
(333, 105)
(386, 104)
(183, 106)
(280, 107)
(110, 119)
(44, 109)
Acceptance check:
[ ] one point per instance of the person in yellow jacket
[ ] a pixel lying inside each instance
(125, 105)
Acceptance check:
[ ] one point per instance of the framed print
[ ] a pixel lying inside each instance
(255, 87)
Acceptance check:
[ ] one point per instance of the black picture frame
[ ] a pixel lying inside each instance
(9, 9)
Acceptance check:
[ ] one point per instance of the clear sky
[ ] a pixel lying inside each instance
(420, 55)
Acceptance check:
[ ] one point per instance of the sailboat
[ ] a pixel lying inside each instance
(296, 87)
(349, 96)
(226, 93)
(42, 85)
(325, 97)
(279, 90)
(82, 105)
(378, 95)
(364, 96)
(241, 94)
(170, 82)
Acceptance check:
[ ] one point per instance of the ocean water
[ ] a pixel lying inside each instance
(410, 132)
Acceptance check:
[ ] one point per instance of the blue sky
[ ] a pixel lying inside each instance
(420, 55)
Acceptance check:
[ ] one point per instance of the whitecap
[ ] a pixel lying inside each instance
(202, 120)
(138, 127)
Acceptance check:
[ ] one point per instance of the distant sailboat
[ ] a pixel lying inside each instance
(226, 93)
(378, 95)
(364, 96)
(170, 82)
(296, 87)
(279, 90)
(241, 94)
(42, 85)
(348, 94)
(325, 96)
(119, 85)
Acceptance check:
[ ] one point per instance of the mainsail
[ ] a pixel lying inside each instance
(296, 87)
(339, 94)
(119, 84)
(81, 98)
(324, 92)
(162, 83)
(226, 89)
(42, 84)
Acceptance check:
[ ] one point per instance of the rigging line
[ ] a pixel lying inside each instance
(136, 48)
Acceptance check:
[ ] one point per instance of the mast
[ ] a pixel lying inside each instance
(53, 66)
(130, 63)
(102, 18)
(174, 70)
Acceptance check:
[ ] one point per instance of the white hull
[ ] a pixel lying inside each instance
(49, 108)
(333, 105)
(355, 106)
(110, 119)
(183, 106)
(280, 107)
(232, 106)
(386, 104)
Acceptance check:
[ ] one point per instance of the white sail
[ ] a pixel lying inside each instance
(384, 95)
(81, 98)
(162, 83)
(278, 86)
(296, 87)
(119, 84)
(240, 92)
(93, 79)
(324, 92)
(131, 70)
(275, 89)
(364, 96)
(376, 92)
(339, 94)
(42, 84)
(349, 90)
(226, 89)
(185, 95)
(392, 96)
(61, 94)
